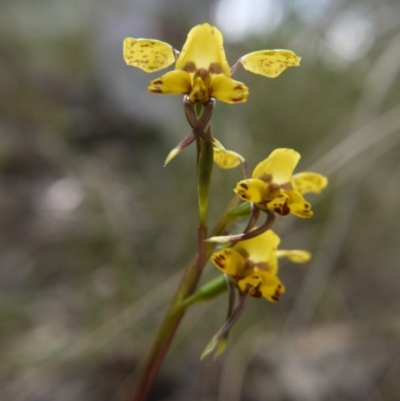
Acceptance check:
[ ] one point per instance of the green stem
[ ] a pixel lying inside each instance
(172, 319)
(189, 282)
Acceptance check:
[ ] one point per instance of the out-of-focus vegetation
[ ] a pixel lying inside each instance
(94, 231)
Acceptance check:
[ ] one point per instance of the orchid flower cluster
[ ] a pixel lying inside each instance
(249, 260)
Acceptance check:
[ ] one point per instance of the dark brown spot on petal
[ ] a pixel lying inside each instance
(202, 73)
(277, 294)
(273, 187)
(285, 209)
(157, 82)
(243, 185)
(155, 90)
(266, 178)
(190, 67)
(244, 253)
(237, 99)
(219, 260)
(262, 266)
(214, 68)
(238, 87)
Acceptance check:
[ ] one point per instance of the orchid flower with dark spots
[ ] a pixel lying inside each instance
(273, 186)
(253, 264)
(201, 69)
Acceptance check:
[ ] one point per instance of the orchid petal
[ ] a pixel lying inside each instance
(251, 190)
(298, 205)
(203, 49)
(277, 167)
(295, 256)
(227, 159)
(148, 54)
(228, 90)
(309, 182)
(171, 83)
(262, 284)
(269, 63)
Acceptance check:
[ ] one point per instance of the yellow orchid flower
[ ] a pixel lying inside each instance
(274, 187)
(201, 70)
(253, 264)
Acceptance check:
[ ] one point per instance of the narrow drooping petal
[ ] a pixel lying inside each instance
(298, 205)
(171, 83)
(277, 167)
(203, 49)
(227, 159)
(148, 54)
(251, 190)
(228, 90)
(309, 182)
(295, 255)
(262, 284)
(270, 63)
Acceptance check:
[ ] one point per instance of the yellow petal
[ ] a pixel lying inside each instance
(309, 182)
(298, 205)
(148, 54)
(261, 251)
(199, 92)
(251, 190)
(228, 90)
(227, 159)
(279, 204)
(278, 166)
(262, 284)
(270, 63)
(203, 49)
(171, 83)
(229, 261)
(295, 256)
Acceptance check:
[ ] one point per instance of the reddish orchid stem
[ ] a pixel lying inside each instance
(166, 331)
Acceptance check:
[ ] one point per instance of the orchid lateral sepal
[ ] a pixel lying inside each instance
(246, 235)
(219, 339)
(184, 143)
(255, 213)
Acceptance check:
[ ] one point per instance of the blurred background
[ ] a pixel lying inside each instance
(94, 232)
